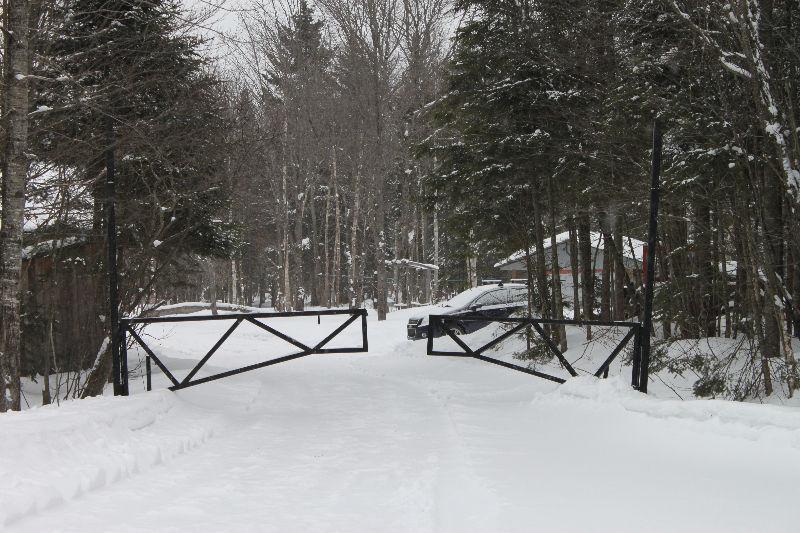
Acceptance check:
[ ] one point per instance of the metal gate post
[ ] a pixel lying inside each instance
(121, 367)
(119, 363)
(149, 371)
(637, 358)
(364, 339)
(652, 241)
(433, 323)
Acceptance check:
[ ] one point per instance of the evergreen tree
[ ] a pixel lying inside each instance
(129, 66)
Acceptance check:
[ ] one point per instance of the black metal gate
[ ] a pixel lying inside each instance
(127, 328)
(446, 323)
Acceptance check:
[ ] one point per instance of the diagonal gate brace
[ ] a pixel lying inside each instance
(442, 323)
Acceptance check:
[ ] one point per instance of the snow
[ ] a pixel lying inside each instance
(391, 441)
(416, 265)
(47, 246)
(182, 307)
(462, 299)
(41, 109)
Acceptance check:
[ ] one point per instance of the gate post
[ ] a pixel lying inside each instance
(637, 357)
(364, 339)
(120, 355)
(652, 240)
(119, 364)
(149, 371)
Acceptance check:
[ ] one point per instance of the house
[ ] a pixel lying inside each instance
(514, 267)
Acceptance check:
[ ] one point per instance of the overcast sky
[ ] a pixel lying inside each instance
(222, 26)
(221, 21)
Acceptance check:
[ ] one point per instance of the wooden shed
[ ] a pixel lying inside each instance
(63, 304)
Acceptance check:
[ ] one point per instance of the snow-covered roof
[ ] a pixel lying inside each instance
(631, 248)
(47, 247)
(412, 264)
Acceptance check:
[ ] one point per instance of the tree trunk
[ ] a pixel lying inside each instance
(335, 297)
(234, 282)
(326, 271)
(286, 299)
(703, 313)
(299, 251)
(541, 261)
(555, 268)
(619, 273)
(435, 296)
(352, 290)
(756, 300)
(316, 262)
(398, 293)
(15, 169)
(574, 265)
(587, 269)
(472, 270)
(605, 295)
(213, 291)
(380, 299)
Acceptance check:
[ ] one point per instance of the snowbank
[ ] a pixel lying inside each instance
(184, 308)
(774, 424)
(53, 454)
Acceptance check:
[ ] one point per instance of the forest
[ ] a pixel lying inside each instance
(387, 153)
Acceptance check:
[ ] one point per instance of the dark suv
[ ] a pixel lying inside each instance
(492, 301)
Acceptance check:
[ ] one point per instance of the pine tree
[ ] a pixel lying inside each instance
(127, 62)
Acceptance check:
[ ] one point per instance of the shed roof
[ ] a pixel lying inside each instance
(632, 248)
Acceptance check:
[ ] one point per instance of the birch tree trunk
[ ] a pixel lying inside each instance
(234, 283)
(15, 168)
(472, 270)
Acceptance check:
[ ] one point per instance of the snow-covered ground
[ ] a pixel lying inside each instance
(392, 440)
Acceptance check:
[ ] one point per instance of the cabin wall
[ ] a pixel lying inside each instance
(63, 304)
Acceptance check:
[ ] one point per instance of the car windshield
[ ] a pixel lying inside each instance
(463, 299)
(518, 295)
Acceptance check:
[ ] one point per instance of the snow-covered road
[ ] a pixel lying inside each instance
(392, 441)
